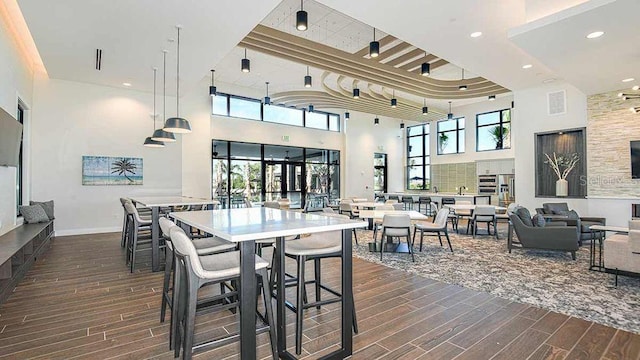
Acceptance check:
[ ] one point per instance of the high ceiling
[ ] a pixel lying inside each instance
(549, 35)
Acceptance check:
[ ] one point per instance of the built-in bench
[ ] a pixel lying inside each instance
(19, 249)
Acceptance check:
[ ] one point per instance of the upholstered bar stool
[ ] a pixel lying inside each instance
(194, 271)
(125, 222)
(203, 246)
(426, 201)
(314, 247)
(139, 234)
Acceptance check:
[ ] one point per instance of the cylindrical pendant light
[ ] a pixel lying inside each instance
(267, 99)
(177, 124)
(149, 142)
(245, 64)
(307, 79)
(401, 125)
(462, 87)
(492, 97)
(376, 121)
(394, 101)
(374, 46)
(311, 108)
(425, 68)
(346, 115)
(160, 134)
(301, 19)
(425, 109)
(212, 88)
(356, 93)
(450, 114)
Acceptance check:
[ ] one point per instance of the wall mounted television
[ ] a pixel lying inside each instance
(635, 159)
(10, 139)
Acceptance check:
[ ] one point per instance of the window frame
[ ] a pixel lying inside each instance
(426, 157)
(456, 131)
(499, 123)
(20, 168)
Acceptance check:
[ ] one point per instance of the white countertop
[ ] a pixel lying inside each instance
(261, 223)
(150, 201)
(379, 214)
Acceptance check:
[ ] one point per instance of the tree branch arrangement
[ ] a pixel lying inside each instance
(562, 164)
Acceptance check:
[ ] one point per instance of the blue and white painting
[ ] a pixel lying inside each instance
(107, 170)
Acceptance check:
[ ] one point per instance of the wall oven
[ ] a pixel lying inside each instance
(487, 184)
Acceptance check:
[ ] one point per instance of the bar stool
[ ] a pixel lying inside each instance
(193, 272)
(407, 200)
(314, 247)
(425, 200)
(139, 234)
(125, 222)
(204, 246)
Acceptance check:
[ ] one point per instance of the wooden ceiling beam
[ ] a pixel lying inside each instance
(404, 58)
(393, 51)
(417, 62)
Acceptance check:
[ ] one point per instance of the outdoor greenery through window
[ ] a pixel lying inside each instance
(493, 130)
(418, 159)
(451, 136)
(254, 109)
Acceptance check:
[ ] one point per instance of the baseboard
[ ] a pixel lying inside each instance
(87, 231)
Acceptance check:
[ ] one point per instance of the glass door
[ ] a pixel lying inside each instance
(284, 180)
(379, 174)
(273, 180)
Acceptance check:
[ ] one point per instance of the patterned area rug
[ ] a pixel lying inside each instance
(550, 280)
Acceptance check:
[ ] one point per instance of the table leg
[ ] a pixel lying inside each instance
(247, 300)
(347, 293)
(155, 238)
(281, 320)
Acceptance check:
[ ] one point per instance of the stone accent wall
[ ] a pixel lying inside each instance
(610, 128)
(449, 176)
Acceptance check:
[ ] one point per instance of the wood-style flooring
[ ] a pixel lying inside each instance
(79, 301)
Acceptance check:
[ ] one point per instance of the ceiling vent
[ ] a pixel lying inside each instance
(98, 59)
(557, 102)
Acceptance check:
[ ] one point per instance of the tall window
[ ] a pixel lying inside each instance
(493, 130)
(451, 136)
(19, 184)
(379, 173)
(418, 159)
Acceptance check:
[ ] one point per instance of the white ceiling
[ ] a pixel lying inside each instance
(132, 34)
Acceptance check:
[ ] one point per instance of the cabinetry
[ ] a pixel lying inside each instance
(495, 167)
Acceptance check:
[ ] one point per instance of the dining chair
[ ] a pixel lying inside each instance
(396, 225)
(377, 223)
(193, 272)
(463, 214)
(483, 214)
(504, 217)
(438, 226)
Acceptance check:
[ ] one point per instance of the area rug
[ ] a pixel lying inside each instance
(550, 280)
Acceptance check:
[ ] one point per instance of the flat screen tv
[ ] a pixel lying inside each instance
(10, 139)
(635, 159)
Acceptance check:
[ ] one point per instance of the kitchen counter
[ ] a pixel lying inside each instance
(437, 197)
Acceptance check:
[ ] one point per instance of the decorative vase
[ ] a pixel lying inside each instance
(562, 187)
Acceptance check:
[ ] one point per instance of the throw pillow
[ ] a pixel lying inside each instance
(571, 214)
(33, 214)
(47, 206)
(538, 220)
(524, 215)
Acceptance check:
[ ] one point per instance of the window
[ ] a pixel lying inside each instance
(316, 120)
(219, 105)
(245, 108)
(451, 136)
(418, 159)
(493, 130)
(334, 122)
(19, 169)
(379, 174)
(283, 115)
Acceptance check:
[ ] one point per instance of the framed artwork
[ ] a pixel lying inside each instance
(107, 170)
(561, 163)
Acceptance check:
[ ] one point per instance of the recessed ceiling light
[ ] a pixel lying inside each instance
(527, 66)
(126, 84)
(476, 34)
(628, 80)
(595, 34)
(637, 87)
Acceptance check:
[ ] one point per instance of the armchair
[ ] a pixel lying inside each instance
(561, 212)
(622, 252)
(557, 238)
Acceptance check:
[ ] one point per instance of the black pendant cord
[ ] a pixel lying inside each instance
(374, 34)
(178, 78)
(155, 70)
(164, 84)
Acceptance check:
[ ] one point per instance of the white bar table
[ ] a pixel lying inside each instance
(379, 214)
(155, 203)
(246, 225)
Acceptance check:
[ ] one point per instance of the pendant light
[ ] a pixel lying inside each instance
(492, 97)
(212, 88)
(450, 114)
(215, 151)
(286, 156)
(394, 101)
(401, 125)
(160, 134)
(267, 99)
(462, 87)
(149, 142)
(346, 115)
(374, 46)
(356, 93)
(177, 124)
(307, 79)
(301, 19)
(245, 64)
(425, 109)
(376, 121)
(425, 68)
(311, 108)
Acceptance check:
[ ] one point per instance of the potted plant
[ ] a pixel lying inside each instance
(562, 164)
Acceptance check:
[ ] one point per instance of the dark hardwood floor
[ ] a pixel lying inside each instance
(80, 302)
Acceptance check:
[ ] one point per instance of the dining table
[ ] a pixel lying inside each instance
(245, 226)
(155, 203)
(467, 209)
(379, 215)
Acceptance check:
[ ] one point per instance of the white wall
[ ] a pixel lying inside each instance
(469, 112)
(73, 119)
(532, 117)
(16, 81)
